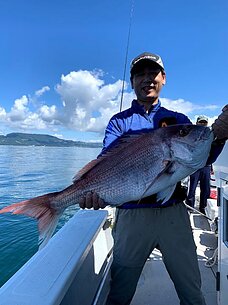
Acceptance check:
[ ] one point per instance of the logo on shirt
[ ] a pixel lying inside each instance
(164, 122)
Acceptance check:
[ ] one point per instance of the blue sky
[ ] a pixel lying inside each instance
(62, 62)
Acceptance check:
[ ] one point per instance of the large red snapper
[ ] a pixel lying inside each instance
(134, 167)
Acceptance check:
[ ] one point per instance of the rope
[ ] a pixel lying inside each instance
(126, 56)
(198, 212)
(212, 260)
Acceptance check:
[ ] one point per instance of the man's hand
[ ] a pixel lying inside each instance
(220, 126)
(92, 200)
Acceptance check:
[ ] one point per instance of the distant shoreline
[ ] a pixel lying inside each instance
(26, 139)
(30, 145)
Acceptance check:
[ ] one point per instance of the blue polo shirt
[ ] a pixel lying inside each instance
(136, 118)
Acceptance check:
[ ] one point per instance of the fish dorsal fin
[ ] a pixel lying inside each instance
(116, 146)
(86, 169)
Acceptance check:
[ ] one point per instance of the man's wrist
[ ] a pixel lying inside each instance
(219, 141)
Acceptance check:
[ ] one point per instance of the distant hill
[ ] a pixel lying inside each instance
(26, 139)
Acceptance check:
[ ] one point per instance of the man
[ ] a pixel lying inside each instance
(139, 228)
(202, 176)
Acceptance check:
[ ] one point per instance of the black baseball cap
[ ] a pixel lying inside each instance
(143, 57)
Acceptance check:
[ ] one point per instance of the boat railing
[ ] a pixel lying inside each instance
(222, 274)
(71, 269)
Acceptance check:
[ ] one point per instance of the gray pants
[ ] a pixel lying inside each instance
(136, 233)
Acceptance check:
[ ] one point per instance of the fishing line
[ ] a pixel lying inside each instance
(126, 55)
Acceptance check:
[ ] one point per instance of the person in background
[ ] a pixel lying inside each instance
(139, 228)
(201, 176)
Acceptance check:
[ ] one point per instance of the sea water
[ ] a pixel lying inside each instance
(26, 172)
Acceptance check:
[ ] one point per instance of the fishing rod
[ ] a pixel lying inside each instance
(126, 56)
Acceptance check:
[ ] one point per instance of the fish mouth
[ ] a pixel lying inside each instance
(206, 133)
(200, 133)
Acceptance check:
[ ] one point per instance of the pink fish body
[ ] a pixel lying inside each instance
(136, 166)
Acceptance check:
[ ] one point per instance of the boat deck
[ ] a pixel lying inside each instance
(155, 284)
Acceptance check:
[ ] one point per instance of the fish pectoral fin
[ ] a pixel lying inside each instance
(165, 194)
(168, 165)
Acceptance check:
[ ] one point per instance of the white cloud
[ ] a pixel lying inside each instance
(42, 91)
(33, 121)
(179, 105)
(20, 116)
(2, 113)
(186, 107)
(87, 104)
(47, 113)
(190, 109)
(19, 111)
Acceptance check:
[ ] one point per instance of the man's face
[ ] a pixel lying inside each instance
(202, 123)
(147, 82)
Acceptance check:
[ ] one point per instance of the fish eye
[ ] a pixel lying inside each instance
(184, 132)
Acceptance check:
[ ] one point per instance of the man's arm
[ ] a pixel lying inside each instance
(216, 149)
(220, 126)
(220, 129)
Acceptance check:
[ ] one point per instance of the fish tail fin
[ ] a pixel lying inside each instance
(39, 208)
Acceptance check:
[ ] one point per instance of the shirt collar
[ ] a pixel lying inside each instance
(140, 108)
